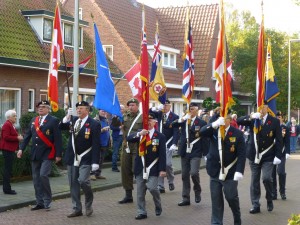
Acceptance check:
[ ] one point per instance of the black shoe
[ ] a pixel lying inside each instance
(171, 187)
(126, 200)
(162, 190)
(158, 211)
(115, 170)
(274, 197)
(254, 210)
(197, 199)
(10, 192)
(270, 206)
(283, 196)
(141, 217)
(37, 207)
(184, 203)
(75, 214)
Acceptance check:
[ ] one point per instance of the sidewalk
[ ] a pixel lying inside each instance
(60, 187)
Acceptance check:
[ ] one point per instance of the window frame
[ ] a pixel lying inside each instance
(71, 35)
(105, 47)
(168, 63)
(51, 29)
(31, 96)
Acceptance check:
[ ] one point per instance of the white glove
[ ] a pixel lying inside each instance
(186, 116)
(173, 147)
(238, 176)
(70, 112)
(154, 109)
(256, 115)
(287, 156)
(276, 161)
(220, 121)
(160, 107)
(95, 167)
(205, 158)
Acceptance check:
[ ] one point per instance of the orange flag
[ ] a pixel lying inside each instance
(56, 48)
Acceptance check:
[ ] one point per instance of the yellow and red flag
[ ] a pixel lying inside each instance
(260, 78)
(226, 100)
(56, 48)
(144, 76)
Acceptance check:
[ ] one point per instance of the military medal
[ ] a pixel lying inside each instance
(232, 149)
(48, 132)
(155, 141)
(197, 128)
(232, 139)
(87, 133)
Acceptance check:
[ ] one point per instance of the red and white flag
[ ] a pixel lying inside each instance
(229, 79)
(56, 48)
(134, 80)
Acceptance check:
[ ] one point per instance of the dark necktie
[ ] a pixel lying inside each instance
(77, 129)
(164, 118)
(40, 120)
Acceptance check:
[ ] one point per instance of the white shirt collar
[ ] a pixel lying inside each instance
(82, 120)
(151, 132)
(167, 114)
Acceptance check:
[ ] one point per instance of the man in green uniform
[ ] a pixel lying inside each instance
(132, 123)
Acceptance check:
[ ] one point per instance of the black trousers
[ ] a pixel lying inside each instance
(7, 169)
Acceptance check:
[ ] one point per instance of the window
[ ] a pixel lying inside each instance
(80, 13)
(47, 29)
(109, 51)
(169, 60)
(10, 98)
(68, 34)
(31, 100)
(43, 95)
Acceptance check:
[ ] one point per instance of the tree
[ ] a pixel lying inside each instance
(242, 39)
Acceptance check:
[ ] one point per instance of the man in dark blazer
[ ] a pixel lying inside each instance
(46, 147)
(154, 161)
(165, 119)
(234, 159)
(280, 169)
(192, 147)
(82, 156)
(263, 151)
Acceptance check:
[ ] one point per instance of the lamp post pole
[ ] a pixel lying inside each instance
(289, 78)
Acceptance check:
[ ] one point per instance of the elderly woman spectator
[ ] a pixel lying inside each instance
(9, 143)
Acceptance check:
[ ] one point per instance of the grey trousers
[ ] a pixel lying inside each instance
(79, 177)
(229, 187)
(190, 168)
(266, 169)
(169, 170)
(141, 187)
(40, 176)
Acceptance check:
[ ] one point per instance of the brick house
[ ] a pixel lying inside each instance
(25, 48)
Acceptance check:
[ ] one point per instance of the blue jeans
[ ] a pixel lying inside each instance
(117, 142)
(293, 143)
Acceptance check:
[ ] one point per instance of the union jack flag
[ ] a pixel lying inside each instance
(188, 68)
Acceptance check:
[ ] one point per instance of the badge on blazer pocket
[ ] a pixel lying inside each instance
(48, 132)
(232, 149)
(154, 148)
(271, 134)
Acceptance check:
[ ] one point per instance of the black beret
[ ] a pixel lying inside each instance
(193, 105)
(279, 113)
(167, 101)
(44, 102)
(82, 103)
(152, 116)
(133, 100)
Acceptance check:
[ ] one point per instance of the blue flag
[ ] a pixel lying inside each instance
(106, 97)
(271, 89)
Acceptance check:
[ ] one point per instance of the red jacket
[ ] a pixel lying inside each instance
(9, 137)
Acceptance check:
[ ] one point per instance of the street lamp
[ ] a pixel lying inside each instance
(289, 84)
